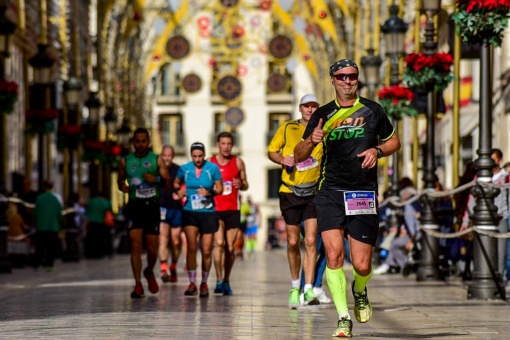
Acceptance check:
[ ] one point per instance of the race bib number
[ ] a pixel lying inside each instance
(307, 164)
(145, 191)
(227, 188)
(162, 213)
(359, 202)
(200, 202)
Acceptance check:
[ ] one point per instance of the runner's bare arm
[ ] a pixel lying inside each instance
(179, 193)
(304, 149)
(218, 187)
(122, 176)
(278, 158)
(243, 179)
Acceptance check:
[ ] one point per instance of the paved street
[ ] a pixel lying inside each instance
(90, 300)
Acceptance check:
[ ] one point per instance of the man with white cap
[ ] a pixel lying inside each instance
(296, 198)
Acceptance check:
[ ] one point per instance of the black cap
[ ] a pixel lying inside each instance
(197, 146)
(341, 64)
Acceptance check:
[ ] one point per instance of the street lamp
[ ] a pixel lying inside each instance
(124, 133)
(370, 64)
(7, 28)
(429, 268)
(41, 64)
(72, 91)
(93, 104)
(110, 119)
(394, 30)
(485, 213)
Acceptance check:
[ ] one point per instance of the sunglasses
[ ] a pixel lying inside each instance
(344, 76)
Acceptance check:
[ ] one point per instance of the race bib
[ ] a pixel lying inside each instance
(145, 191)
(307, 164)
(359, 202)
(200, 202)
(162, 213)
(227, 188)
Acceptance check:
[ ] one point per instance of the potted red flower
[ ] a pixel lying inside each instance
(40, 121)
(69, 136)
(396, 101)
(8, 96)
(93, 151)
(482, 20)
(428, 71)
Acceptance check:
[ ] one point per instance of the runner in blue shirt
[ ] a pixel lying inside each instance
(203, 181)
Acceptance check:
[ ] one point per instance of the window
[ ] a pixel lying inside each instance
(170, 81)
(274, 180)
(275, 120)
(172, 132)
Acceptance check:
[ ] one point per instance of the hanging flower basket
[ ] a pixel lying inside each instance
(40, 121)
(93, 151)
(69, 136)
(113, 154)
(396, 101)
(428, 71)
(482, 21)
(8, 96)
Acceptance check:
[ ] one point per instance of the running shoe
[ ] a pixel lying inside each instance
(173, 273)
(362, 307)
(344, 329)
(294, 298)
(192, 290)
(204, 290)
(310, 298)
(226, 289)
(151, 280)
(219, 288)
(165, 277)
(321, 295)
(137, 292)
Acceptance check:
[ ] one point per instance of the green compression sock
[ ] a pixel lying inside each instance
(337, 283)
(360, 282)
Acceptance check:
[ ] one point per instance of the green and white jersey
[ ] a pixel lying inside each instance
(135, 168)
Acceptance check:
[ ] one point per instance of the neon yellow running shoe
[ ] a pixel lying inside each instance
(344, 329)
(310, 299)
(362, 307)
(294, 298)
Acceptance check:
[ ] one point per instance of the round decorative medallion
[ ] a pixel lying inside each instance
(229, 87)
(229, 3)
(177, 47)
(191, 83)
(276, 82)
(280, 46)
(234, 116)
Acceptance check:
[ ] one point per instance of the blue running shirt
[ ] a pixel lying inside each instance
(209, 175)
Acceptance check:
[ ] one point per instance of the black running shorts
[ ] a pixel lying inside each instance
(331, 215)
(231, 218)
(296, 209)
(206, 222)
(143, 214)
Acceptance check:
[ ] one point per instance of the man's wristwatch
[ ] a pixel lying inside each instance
(379, 152)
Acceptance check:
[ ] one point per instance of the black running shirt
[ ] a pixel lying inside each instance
(349, 131)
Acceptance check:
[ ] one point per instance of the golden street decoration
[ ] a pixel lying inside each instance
(229, 87)
(177, 47)
(191, 83)
(280, 47)
(276, 82)
(234, 116)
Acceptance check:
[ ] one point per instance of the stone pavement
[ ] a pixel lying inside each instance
(90, 300)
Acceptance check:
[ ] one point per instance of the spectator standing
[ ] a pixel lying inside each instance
(98, 240)
(48, 222)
